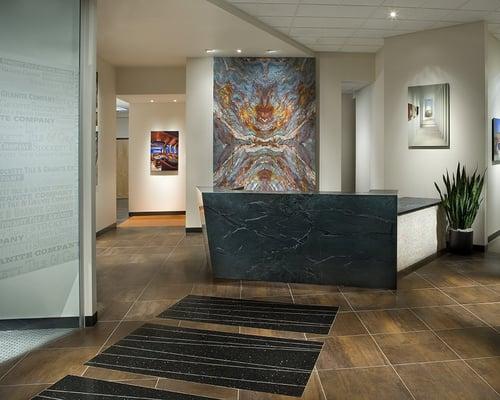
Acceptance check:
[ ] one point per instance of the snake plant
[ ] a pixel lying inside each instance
(462, 197)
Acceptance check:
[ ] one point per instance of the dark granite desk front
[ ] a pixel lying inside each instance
(321, 238)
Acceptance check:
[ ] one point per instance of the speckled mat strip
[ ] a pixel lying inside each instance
(262, 364)
(255, 314)
(80, 388)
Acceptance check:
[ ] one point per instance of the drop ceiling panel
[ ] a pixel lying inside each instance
(359, 25)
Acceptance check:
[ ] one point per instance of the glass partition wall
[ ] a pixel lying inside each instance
(39, 172)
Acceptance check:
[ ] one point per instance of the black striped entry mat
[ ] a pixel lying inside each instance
(262, 364)
(80, 388)
(255, 314)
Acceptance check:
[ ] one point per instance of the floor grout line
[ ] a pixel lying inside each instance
(456, 353)
(382, 352)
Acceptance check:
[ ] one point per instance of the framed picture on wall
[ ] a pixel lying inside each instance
(164, 152)
(429, 116)
(496, 141)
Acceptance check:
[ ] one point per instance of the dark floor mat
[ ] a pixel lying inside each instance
(80, 388)
(255, 314)
(256, 363)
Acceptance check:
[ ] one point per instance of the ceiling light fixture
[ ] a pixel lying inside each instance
(393, 14)
(271, 51)
(175, 100)
(151, 101)
(210, 51)
(238, 51)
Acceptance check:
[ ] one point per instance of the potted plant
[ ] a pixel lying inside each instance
(461, 202)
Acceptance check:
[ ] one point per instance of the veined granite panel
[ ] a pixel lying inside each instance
(322, 238)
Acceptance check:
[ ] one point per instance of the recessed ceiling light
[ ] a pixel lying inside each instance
(238, 51)
(175, 100)
(210, 51)
(393, 14)
(151, 101)
(271, 51)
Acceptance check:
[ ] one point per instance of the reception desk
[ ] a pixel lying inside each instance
(322, 237)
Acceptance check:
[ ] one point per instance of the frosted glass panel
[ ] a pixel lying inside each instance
(39, 109)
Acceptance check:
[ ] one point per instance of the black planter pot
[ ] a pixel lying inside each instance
(461, 242)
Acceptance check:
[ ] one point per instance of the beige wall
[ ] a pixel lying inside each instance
(106, 166)
(149, 193)
(122, 168)
(493, 90)
(452, 55)
(333, 69)
(150, 80)
(199, 133)
(348, 143)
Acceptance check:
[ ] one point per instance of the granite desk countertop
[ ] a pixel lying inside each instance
(408, 205)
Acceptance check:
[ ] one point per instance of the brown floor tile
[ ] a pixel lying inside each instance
(490, 313)
(488, 369)
(123, 329)
(48, 366)
(251, 290)
(486, 277)
(470, 295)
(145, 310)
(413, 347)
(87, 337)
(312, 392)
(299, 289)
(346, 324)
(324, 299)
(363, 384)
(401, 299)
(444, 381)
(348, 352)
(209, 327)
(112, 310)
(447, 278)
(109, 292)
(146, 382)
(447, 317)
(198, 389)
(112, 375)
(272, 333)
(473, 342)
(413, 281)
(163, 292)
(391, 321)
(25, 392)
(217, 290)
(495, 288)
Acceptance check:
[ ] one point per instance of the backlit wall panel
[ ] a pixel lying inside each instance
(265, 123)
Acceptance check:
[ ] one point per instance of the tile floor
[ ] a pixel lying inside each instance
(437, 337)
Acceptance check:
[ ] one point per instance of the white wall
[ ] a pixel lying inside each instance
(199, 133)
(425, 58)
(493, 89)
(150, 80)
(106, 165)
(364, 139)
(122, 125)
(148, 193)
(333, 68)
(348, 143)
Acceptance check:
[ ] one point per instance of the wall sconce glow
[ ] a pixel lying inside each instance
(151, 101)
(393, 14)
(238, 51)
(175, 100)
(210, 51)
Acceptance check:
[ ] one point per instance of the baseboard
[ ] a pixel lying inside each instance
(39, 323)
(482, 248)
(412, 268)
(193, 230)
(91, 320)
(107, 229)
(493, 236)
(152, 213)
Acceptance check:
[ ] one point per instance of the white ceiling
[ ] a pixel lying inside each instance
(361, 25)
(165, 32)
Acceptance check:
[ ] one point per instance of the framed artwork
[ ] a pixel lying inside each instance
(164, 152)
(496, 141)
(429, 116)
